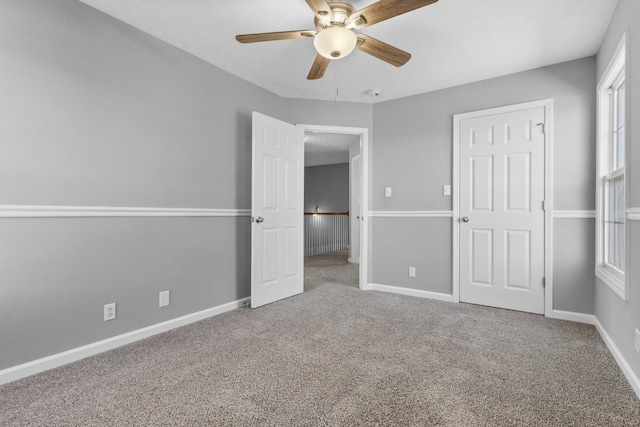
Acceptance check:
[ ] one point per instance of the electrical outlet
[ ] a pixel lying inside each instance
(412, 272)
(109, 311)
(164, 298)
(637, 341)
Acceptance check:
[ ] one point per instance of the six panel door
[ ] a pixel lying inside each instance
(501, 210)
(277, 256)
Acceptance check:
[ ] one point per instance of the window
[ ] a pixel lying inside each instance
(612, 131)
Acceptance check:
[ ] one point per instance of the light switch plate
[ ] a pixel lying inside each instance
(387, 192)
(164, 298)
(446, 190)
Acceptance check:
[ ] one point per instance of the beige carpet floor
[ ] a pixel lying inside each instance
(339, 356)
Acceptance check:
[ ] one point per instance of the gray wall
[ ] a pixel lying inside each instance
(412, 153)
(327, 187)
(619, 318)
(425, 244)
(96, 113)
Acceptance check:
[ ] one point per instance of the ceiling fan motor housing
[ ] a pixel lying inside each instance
(341, 13)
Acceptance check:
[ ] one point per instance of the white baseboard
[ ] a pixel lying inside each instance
(613, 348)
(571, 316)
(622, 362)
(40, 365)
(411, 292)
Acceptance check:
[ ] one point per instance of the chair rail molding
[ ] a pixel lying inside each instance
(411, 214)
(633, 214)
(574, 214)
(33, 211)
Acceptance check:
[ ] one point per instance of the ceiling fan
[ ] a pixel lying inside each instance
(334, 37)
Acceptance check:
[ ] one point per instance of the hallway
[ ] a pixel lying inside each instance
(332, 267)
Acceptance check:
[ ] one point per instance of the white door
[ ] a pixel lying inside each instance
(277, 256)
(501, 210)
(356, 211)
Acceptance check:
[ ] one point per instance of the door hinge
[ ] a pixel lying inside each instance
(544, 205)
(544, 282)
(543, 128)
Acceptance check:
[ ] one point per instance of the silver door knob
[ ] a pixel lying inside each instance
(465, 219)
(259, 219)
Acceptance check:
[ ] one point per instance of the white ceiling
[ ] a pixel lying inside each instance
(321, 148)
(453, 42)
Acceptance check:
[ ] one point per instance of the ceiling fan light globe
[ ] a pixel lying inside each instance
(335, 42)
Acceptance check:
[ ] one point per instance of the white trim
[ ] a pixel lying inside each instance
(547, 104)
(574, 214)
(411, 214)
(571, 316)
(40, 365)
(27, 211)
(455, 206)
(613, 278)
(410, 292)
(364, 170)
(622, 362)
(548, 197)
(633, 214)
(354, 204)
(617, 62)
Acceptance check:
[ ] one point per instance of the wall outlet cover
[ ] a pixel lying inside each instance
(109, 311)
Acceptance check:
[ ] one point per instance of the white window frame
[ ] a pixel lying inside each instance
(615, 72)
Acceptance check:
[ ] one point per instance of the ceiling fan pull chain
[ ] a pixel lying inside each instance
(337, 84)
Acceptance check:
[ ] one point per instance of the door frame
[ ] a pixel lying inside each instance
(364, 179)
(352, 161)
(547, 104)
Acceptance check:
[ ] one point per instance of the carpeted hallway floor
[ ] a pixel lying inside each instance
(338, 356)
(333, 267)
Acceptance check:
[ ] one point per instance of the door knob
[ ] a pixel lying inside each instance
(465, 219)
(259, 219)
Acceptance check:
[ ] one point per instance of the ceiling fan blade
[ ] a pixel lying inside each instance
(383, 10)
(280, 35)
(321, 9)
(318, 68)
(383, 51)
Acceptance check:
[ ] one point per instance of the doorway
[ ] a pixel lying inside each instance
(357, 186)
(501, 222)
(277, 207)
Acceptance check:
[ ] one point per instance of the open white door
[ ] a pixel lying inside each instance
(277, 256)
